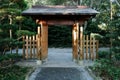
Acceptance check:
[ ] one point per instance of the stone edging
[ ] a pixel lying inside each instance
(93, 75)
(29, 73)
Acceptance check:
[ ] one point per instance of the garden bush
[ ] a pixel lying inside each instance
(106, 69)
(13, 73)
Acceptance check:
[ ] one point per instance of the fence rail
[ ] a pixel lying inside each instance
(88, 48)
(31, 48)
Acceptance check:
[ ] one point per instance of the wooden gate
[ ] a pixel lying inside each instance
(88, 48)
(84, 47)
(32, 46)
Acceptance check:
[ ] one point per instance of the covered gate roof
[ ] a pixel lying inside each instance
(63, 14)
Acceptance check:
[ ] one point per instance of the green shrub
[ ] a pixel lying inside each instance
(9, 56)
(13, 73)
(103, 54)
(60, 36)
(106, 68)
(116, 53)
(24, 32)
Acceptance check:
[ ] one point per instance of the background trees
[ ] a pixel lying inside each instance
(10, 22)
(102, 26)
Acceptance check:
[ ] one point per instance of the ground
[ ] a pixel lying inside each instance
(59, 66)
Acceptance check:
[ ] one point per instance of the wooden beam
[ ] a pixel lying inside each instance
(44, 40)
(62, 22)
(75, 36)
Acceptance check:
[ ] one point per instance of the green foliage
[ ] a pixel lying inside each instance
(6, 43)
(20, 33)
(9, 56)
(13, 73)
(29, 24)
(103, 54)
(57, 2)
(60, 36)
(116, 53)
(103, 24)
(10, 18)
(107, 69)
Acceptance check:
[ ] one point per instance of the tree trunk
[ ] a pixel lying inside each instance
(10, 31)
(111, 17)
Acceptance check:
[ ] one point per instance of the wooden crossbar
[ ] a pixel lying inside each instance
(30, 47)
(88, 47)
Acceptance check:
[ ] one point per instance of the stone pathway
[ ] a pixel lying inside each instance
(58, 73)
(59, 66)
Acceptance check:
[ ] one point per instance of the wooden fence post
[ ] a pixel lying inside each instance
(94, 48)
(30, 41)
(33, 37)
(23, 47)
(75, 36)
(97, 44)
(87, 46)
(27, 47)
(81, 43)
(37, 49)
(39, 43)
(44, 40)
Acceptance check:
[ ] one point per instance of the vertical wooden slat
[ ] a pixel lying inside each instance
(86, 46)
(37, 50)
(90, 48)
(33, 37)
(39, 43)
(97, 44)
(94, 49)
(81, 43)
(24, 47)
(77, 38)
(30, 41)
(27, 47)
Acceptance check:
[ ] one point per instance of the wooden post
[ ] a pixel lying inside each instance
(24, 47)
(87, 47)
(94, 48)
(97, 45)
(30, 41)
(39, 43)
(27, 47)
(33, 46)
(90, 47)
(44, 40)
(75, 36)
(81, 43)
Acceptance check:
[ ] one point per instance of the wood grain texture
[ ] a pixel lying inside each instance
(75, 35)
(44, 41)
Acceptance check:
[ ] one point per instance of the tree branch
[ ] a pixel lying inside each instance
(117, 3)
